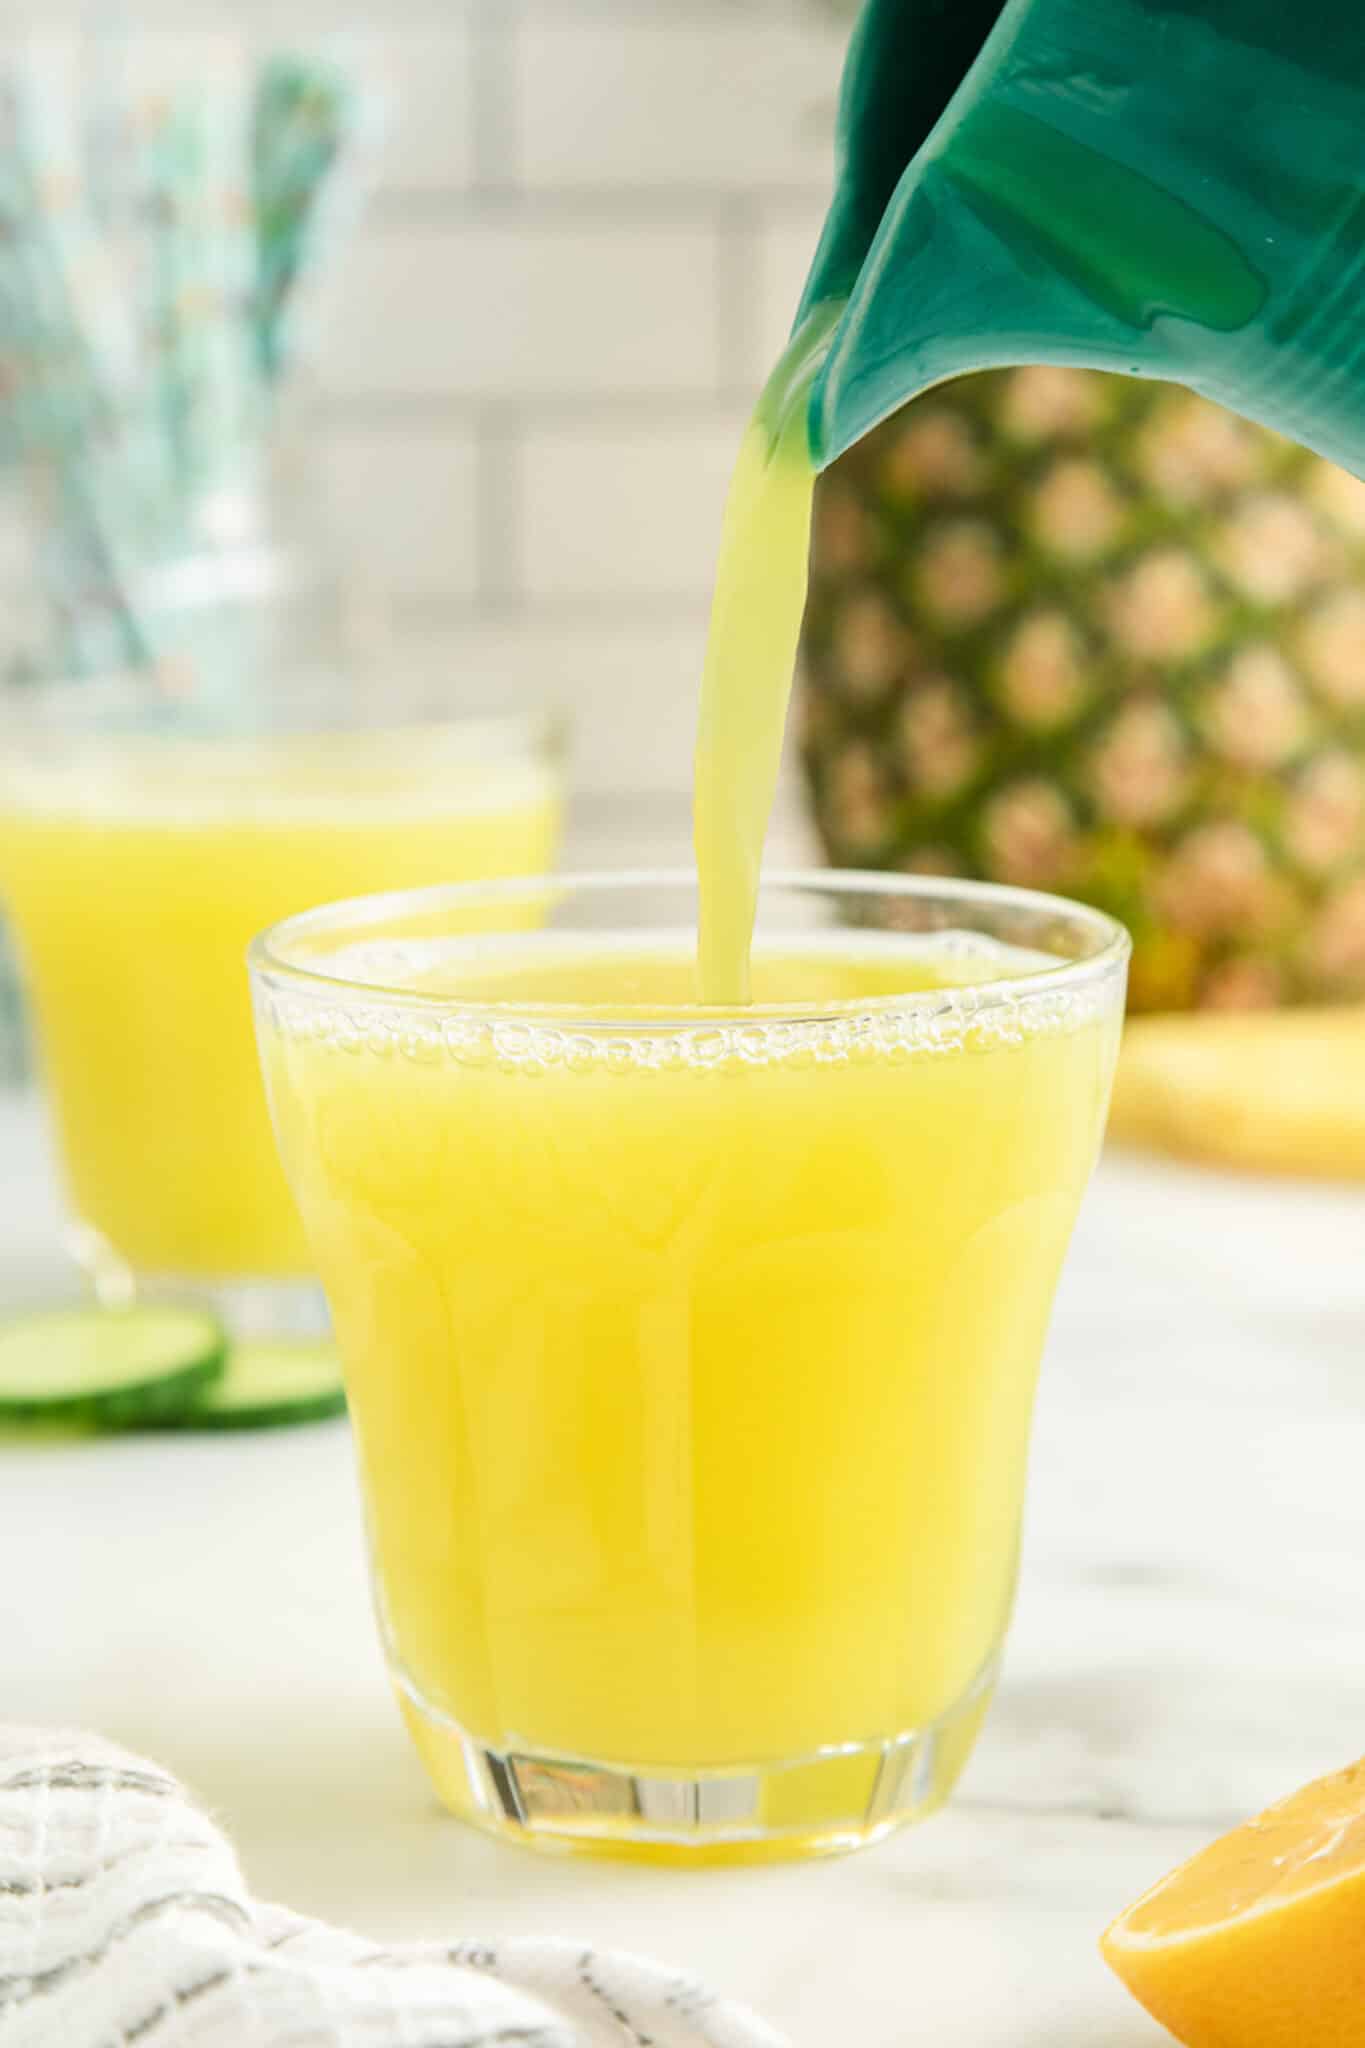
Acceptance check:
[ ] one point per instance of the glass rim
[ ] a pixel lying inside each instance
(270, 964)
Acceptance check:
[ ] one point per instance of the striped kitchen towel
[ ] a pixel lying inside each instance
(125, 1923)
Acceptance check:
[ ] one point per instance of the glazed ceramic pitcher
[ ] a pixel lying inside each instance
(1169, 188)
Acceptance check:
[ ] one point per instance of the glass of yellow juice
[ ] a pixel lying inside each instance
(142, 844)
(691, 1352)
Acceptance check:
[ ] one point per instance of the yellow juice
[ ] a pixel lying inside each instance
(746, 684)
(137, 870)
(691, 1375)
(756, 614)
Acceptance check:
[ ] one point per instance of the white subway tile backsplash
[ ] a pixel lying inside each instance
(525, 308)
(625, 512)
(629, 690)
(653, 101)
(785, 248)
(427, 78)
(401, 501)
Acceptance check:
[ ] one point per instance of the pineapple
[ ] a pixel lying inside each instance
(1082, 633)
(1274, 1091)
(1095, 635)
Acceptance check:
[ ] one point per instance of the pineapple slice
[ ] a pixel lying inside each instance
(1269, 1092)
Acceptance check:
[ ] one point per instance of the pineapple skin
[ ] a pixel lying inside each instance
(1084, 633)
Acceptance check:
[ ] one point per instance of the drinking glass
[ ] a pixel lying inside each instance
(691, 1352)
(142, 842)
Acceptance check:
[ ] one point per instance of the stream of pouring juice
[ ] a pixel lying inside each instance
(756, 614)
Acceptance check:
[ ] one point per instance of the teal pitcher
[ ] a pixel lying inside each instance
(1168, 188)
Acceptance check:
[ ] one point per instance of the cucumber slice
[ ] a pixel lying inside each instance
(269, 1383)
(120, 1368)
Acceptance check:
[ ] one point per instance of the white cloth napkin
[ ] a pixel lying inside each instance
(125, 1923)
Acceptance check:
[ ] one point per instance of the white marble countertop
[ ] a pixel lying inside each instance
(1188, 1644)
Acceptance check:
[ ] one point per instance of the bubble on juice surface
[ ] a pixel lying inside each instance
(546, 1002)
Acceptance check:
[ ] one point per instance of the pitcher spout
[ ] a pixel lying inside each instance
(1167, 188)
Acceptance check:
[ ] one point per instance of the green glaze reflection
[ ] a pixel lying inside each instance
(1132, 249)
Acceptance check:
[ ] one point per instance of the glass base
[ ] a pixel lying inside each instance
(827, 1803)
(249, 1309)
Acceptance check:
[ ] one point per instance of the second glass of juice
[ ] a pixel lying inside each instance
(142, 844)
(691, 1351)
